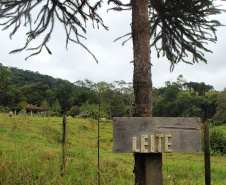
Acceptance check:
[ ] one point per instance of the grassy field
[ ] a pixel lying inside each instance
(31, 153)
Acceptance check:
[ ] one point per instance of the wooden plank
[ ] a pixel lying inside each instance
(153, 169)
(64, 143)
(156, 135)
(207, 152)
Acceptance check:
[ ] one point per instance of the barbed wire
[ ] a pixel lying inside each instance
(108, 152)
(90, 138)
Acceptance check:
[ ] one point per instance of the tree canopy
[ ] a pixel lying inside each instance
(178, 28)
(176, 99)
(73, 15)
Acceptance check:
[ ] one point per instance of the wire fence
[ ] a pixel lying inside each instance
(80, 144)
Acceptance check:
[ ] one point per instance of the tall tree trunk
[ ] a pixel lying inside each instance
(148, 167)
(141, 50)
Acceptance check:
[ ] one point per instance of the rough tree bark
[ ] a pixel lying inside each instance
(148, 167)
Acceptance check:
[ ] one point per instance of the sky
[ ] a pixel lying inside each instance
(113, 58)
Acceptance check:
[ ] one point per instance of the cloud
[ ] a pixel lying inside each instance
(114, 59)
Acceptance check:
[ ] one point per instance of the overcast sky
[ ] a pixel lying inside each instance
(114, 59)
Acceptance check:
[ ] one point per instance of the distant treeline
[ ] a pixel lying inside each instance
(19, 88)
(22, 77)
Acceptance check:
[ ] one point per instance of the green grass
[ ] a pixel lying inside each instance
(31, 153)
(221, 126)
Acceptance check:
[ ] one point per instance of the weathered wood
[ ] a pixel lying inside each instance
(64, 142)
(142, 82)
(207, 152)
(153, 167)
(156, 135)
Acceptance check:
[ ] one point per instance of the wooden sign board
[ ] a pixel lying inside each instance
(156, 135)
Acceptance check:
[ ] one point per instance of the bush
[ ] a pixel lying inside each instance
(73, 111)
(55, 114)
(4, 109)
(23, 111)
(52, 114)
(218, 141)
(218, 123)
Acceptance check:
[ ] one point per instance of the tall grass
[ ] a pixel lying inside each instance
(30, 153)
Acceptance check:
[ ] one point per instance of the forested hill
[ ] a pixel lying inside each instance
(26, 77)
(19, 88)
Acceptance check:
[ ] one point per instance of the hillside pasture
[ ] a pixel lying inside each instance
(31, 153)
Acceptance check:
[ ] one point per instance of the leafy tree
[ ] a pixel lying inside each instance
(27, 90)
(19, 96)
(11, 96)
(35, 93)
(201, 88)
(188, 105)
(7, 96)
(166, 106)
(56, 106)
(35, 98)
(195, 86)
(50, 97)
(180, 82)
(74, 110)
(4, 76)
(93, 109)
(64, 96)
(170, 101)
(23, 104)
(221, 107)
(115, 98)
(45, 105)
(85, 91)
(92, 89)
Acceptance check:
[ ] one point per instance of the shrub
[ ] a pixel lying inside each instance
(73, 111)
(4, 109)
(218, 123)
(23, 111)
(218, 141)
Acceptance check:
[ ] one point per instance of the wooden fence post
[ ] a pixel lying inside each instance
(98, 143)
(149, 137)
(64, 141)
(148, 168)
(153, 167)
(207, 152)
